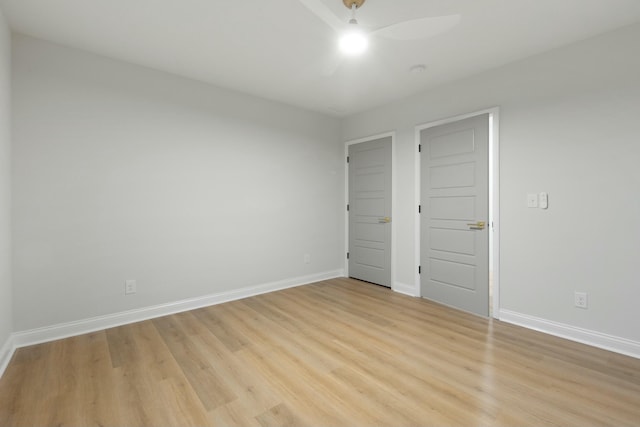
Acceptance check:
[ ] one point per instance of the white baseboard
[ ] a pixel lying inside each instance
(6, 352)
(65, 330)
(405, 289)
(573, 333)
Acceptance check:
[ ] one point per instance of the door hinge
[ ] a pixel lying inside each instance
(347, 255)
(347, 207)
(419, 270)
(347, 159)
(419, 208)
(419, 148)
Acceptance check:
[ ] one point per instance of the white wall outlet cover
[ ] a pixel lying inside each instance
(532, 200)
(581, 299)
(130, 287)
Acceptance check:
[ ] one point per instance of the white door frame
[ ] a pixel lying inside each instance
(494, 197)
(393, 200)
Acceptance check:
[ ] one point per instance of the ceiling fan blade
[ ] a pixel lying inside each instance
(421, 28)
(324, 13)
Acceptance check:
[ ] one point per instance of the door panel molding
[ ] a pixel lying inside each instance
(394, 286)
(494, 200)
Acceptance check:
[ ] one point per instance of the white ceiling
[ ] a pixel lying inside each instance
(278, 49)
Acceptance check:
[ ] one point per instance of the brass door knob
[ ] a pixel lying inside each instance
(477, 225)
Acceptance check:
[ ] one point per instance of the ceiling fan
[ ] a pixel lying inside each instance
(354, 39)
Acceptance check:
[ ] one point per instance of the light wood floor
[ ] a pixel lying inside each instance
(335, 353)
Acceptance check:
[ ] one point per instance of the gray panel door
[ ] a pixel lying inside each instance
(370, 211)
(454, 241)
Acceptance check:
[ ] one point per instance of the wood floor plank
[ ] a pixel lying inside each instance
(251, 390)
(140, 344)
(367, 354)
(310, 378)
(221, 328)
(185, 406)
(202, 376)
(337, 352)
(22, 376)
(96, 387)
(233, 414)
(137, 396)
(279, 416)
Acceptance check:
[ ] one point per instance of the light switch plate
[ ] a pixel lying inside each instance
(544, 200)
(532, 200)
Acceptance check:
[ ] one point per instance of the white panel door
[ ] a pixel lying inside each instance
(370, 211)
(454, 241)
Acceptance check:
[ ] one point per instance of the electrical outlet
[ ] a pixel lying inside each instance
(130, 287)
(307, 258)
(581, 299)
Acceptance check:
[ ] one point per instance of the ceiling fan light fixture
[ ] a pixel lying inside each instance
(353, 43)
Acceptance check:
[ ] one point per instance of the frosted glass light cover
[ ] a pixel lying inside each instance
(353, 43)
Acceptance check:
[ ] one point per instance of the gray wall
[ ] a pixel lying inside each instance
(6, 322)
(568, 127)
(122, 172)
